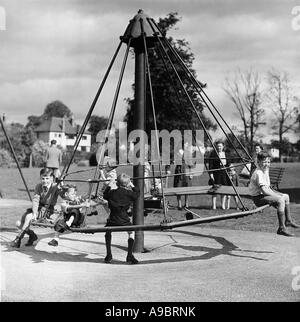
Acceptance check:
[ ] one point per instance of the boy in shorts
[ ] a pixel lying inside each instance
(44, 199)
(119, 201)
(263, 194)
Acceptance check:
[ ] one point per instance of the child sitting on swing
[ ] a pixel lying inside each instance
(45, 197)
(72, 215)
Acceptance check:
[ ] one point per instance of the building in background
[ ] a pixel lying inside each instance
(65, 132)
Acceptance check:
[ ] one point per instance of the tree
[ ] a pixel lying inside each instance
(283, 104)
(14, 132)
(28, 137)
(96, 124)
(53, 109)
(39, 149)
(6, 161)
(244, 90)
(57, 109)
(173, 110)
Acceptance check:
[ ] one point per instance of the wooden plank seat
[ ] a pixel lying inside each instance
(202, 190)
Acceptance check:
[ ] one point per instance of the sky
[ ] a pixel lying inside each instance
(60, 50)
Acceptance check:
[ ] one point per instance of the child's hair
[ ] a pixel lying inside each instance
(123, 180)
(45, 172)
(231, 167)
(261, 147)
(263, 155)
(67, 187)
(219, 142)
(53, 142)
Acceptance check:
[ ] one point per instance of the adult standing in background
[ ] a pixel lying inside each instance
(54, 158)
(257, 149)
(217, 161)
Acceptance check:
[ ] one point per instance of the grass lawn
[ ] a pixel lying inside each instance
(13, 188)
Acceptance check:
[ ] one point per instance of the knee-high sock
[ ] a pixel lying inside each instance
(287, 213)
(280, 215)
(130, 246)
(108, 243)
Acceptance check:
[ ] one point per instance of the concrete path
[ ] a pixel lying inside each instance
(188, 264)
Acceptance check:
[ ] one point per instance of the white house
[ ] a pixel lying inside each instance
(65, 132)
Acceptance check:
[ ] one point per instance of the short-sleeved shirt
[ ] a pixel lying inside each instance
(258, 179)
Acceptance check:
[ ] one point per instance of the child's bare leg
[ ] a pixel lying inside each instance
(24, 225)
(228, 202)
(179, 202)
(223, 198)
(214, 202)
(287, 211)
(186, 201)
(70, 221)
(236, 202)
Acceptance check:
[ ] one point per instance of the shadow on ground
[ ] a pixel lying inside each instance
(73, 254)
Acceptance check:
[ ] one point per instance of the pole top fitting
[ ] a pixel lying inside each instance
(139, 24)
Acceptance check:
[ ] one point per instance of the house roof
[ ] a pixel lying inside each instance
(59, 124)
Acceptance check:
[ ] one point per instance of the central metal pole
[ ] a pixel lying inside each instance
(139, 121)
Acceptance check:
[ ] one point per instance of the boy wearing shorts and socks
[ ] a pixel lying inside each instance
(263, 194)
(119, 201)
(44, 199)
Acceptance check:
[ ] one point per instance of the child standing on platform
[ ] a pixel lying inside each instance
(119, 201)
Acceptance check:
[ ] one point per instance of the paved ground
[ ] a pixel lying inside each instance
(188, 264)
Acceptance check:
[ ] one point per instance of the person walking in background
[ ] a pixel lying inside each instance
(53, 159)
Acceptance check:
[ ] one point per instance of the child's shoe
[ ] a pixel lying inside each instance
(108, 259)
(16, 243)
(284, 232)
(131, 259)
(53, 242)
